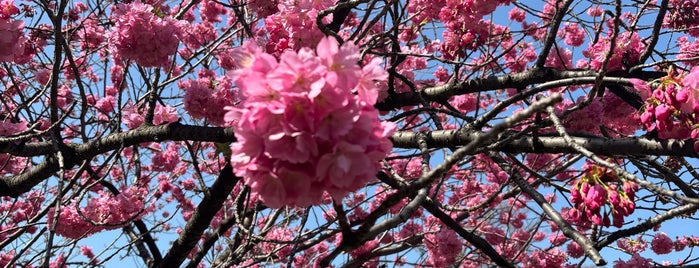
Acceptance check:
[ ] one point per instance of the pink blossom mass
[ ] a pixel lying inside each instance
(349, 133)
(301, 131)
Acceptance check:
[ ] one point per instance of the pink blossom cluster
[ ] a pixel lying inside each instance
(293, 25)
(12, 40)
(597, 188)
(632, 246)
(282, 250)
(689, 50)
(610, 111)
(626, 52)
(573, 35)
(133, 117)
(443, 247)
(307, 124)
(18, 211)
(465, 27)
(166, 160)
(102, 212)
(683, 15)
(636, 261)
(554, 257)
(662, 244)
(141, 35)
(11, 164)
(9, 128)
(686, 241)
(205, 96)
(92, 34)
(263, 8)
(670, 108)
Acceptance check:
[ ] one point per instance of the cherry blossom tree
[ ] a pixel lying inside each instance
(349, 133)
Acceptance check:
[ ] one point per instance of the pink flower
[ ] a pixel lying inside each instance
(263, 8)
(517, 14)
(662, 244)
(87, 251)
(443, 247)
(691, 89)
(574, 250)
(595, 197)
(662, 112)
(12, 39)
(166, 160)
(574, 35)
(301, 132)
(636, 261)
(642, 87)
(139, 35)
(340, 61)
(7, 9)
(92, 35)
(367, 86)
(595, 11)
(632, 246)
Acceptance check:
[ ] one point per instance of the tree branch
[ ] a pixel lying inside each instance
(638, 146)
(74, 154)
(201, 218)
(518, 80)
(540, 200)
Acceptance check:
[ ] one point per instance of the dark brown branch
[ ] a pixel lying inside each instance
(555, 24)
(647, 225)
(638, 146)
(518, 80)
(74, 154)
(201, 218)
(475, 240)
(657, 25)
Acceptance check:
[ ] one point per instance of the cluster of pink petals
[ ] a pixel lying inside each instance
(11, 164)
(688, 50)
(166, 160)
(12, 40)
(465, 27)
(9, 128)
(682, 15)
(205, 96)
(291, 23)
(141, 35)
(636, 261)
(687, 241)
(443, 247)
(609, 111)
(307, 124)
(662, 244)
(626, 52)
(554, 257)
(263, 8)
(92, 34)
(102, 212)
(632, 246)
(596, 189)
(670, 107)
(133, 117)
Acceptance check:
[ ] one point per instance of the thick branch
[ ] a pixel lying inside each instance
(74, 154)
(518, 80)
(638, 146)
(201, 218)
